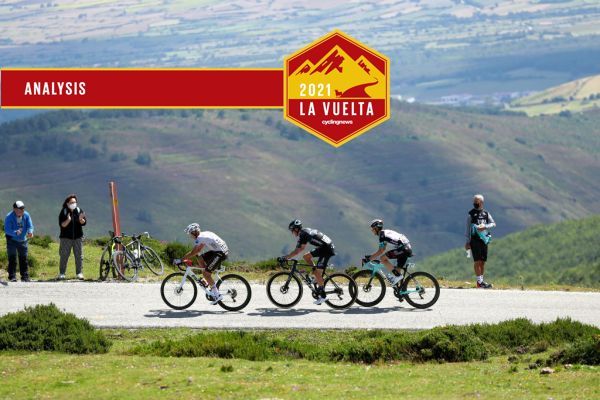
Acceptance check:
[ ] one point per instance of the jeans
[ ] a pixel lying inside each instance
(14, 248)
(65, 251)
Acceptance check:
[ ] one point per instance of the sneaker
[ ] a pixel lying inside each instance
(24, 280)
(12, 279)
(216, 298)
(80, 276)
(320, 301)
(484, 285)
(61, 277)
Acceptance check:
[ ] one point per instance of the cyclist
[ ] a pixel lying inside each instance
(211, 259)
(401, 251)
(324, 250)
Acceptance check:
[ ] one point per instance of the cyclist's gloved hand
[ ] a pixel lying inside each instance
(177, 261)
(281, 260)
(367, 258)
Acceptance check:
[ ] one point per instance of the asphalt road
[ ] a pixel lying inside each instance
(129, 305)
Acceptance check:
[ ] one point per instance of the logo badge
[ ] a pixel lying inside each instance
(336, 88)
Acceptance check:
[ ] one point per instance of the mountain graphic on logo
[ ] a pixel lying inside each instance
(348, 78)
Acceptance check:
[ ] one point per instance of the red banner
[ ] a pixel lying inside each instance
(139, 88)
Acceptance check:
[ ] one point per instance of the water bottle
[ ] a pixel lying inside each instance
(136, 254)
(469, 253)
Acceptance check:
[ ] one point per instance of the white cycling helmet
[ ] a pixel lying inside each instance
(376, 223)
(193, 227)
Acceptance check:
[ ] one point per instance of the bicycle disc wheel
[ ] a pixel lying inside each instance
(340, 290)
(152, 261)
(236, 292)
(284, 289)
(125, 265)
(106, 265)
(370, 288)
(176, 295)
(423, 287)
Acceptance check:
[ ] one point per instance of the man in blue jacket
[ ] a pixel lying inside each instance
(18, 228)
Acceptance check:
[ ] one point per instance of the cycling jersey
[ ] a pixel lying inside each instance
(392, 237)
(478, 217)
(314, 237)
(212, 242)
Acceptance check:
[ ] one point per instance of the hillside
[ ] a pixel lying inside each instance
(575, 96)
(245, 174)
(566, 253)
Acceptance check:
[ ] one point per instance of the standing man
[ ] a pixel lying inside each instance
(478, 237)
(18, 228)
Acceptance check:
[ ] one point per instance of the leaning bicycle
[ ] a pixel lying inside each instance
(127, 259)
(284, 288)
(180, 289)
(419, 289)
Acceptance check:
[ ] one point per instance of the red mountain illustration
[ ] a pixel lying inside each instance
(331, 63)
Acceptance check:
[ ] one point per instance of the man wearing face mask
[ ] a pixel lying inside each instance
(71, 220)
(18, 228)
(477, 238)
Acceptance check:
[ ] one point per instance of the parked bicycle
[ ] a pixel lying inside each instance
(127, 259)
(179, 290)
(419, 289)
(284, 289)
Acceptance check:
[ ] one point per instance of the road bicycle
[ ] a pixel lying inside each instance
(419, 289)
(284, 288)
(127, 259)
(180, 289)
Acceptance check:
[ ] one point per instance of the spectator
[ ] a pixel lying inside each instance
(71, 220)
(478, 237)
(18, 228)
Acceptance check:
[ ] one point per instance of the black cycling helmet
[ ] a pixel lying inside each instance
(377, 223)
(295, 224)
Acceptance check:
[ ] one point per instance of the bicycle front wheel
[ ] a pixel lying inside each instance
(284, 289)
(236, 292)
(106, 265)
(341, 291)
(152, 261)
(423, 289)
(370, 288)
(125, 265)
(177, 293)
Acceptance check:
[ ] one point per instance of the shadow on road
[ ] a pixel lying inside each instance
(276, 312)
(184, 313)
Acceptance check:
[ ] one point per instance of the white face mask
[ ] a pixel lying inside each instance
(72, 206)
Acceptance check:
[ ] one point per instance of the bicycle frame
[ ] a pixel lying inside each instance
(378, 268)
(189, 272)
(304, 276)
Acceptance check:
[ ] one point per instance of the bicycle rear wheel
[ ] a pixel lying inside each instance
(341, 291)
(423, 287)
(152, 261)
(176, 295)
(370, 288)
(284, 289)
(236, 292)
(125, 265)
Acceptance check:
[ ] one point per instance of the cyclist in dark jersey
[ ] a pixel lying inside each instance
(401, 250)
(477, 237)
(324, 250)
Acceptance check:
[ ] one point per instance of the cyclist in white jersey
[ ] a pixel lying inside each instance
(400, 252)
(216, 252)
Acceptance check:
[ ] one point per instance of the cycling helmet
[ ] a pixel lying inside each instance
(193, 227)
(295, 224)
(377, 223)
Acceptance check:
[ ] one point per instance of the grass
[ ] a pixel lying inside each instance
(129, 371)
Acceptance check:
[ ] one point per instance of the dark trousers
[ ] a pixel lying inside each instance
(15, 248)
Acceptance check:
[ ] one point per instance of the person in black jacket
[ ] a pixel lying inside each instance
(71, 220)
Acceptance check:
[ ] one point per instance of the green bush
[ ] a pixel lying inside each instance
(583, 351)
(42, 241)
(174, 250)
(45, 327)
